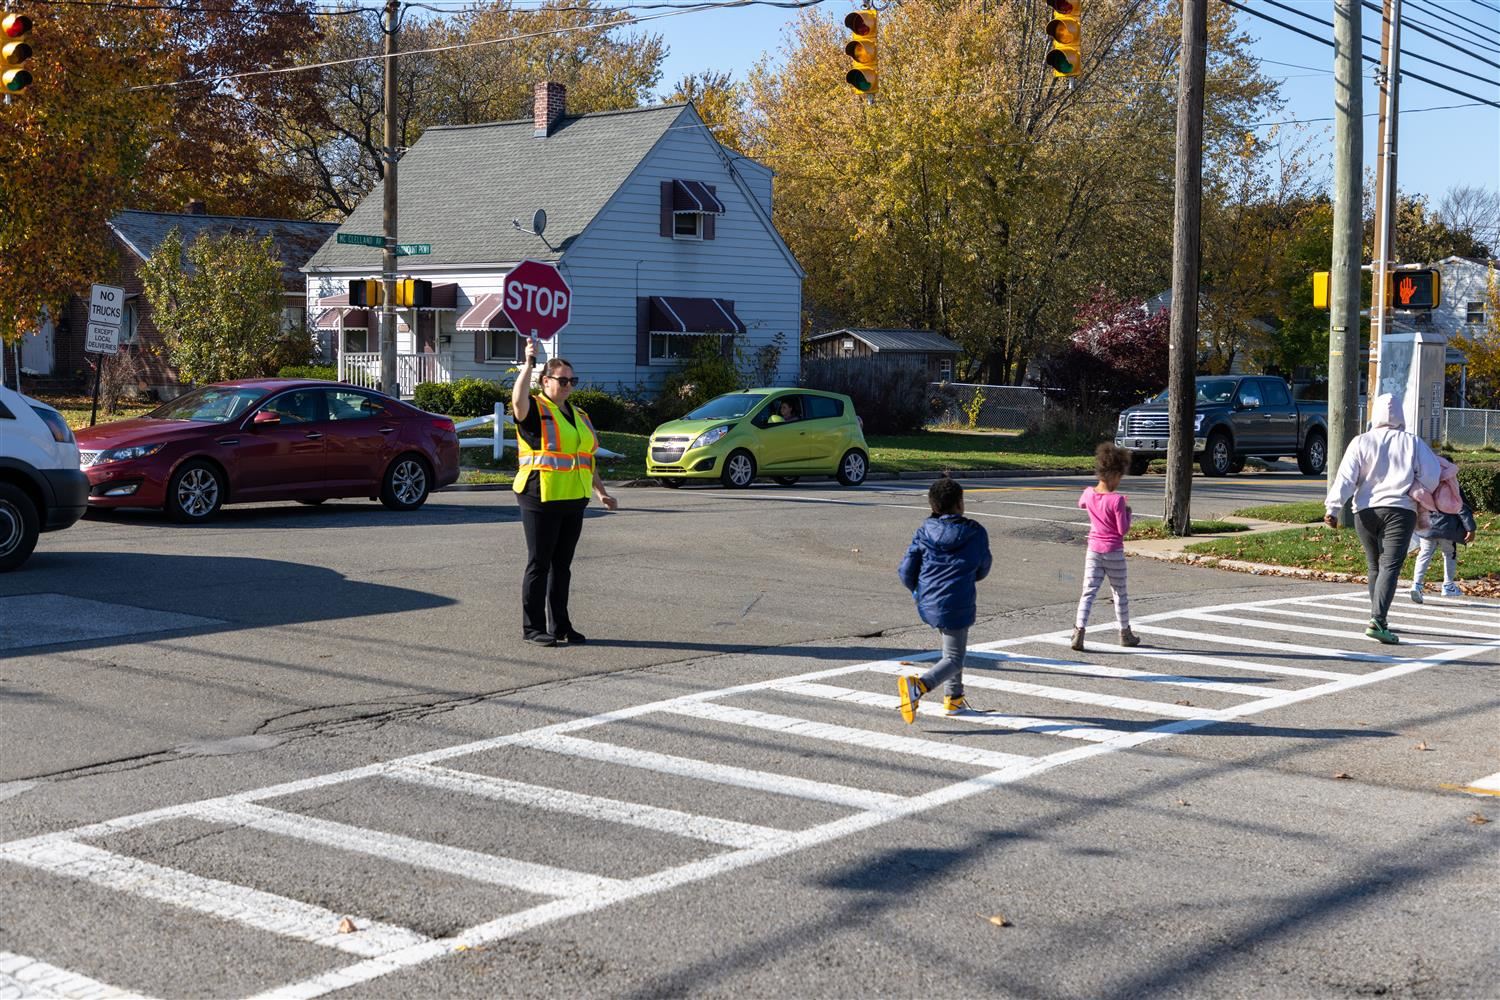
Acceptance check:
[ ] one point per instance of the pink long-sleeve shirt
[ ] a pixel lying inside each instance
(1109, 519)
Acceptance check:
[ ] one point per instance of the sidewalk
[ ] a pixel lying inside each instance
(1174, 550)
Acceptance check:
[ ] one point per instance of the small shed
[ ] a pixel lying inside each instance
(937, 352)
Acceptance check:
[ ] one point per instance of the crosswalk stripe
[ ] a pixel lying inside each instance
(724, 774)
(22, 976)
(1220, 639)
(683, 824)
(1491, 636)
(1452, 609)
(1351, 635)
(262, 910)
(717, 712)
(1120, 673)
(1071, 695)
(1252, 666)
(542, 880)
(890, 703)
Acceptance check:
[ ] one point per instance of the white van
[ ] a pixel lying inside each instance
(41, 486)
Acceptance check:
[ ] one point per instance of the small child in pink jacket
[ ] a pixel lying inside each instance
(1109, 520)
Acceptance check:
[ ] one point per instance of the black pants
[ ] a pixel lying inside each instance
(551, 538)
(1385, 532)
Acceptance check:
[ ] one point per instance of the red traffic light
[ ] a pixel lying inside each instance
(1064, 7)
(862, 22)
(15, 26)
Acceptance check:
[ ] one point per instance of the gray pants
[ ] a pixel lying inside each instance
(1430, 547)
(1096, 566)
(949, 669)
(1385, 532)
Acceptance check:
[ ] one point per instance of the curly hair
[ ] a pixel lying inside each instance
(1110, 461)
(945, 496)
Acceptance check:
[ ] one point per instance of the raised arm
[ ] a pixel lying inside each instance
(520, 393)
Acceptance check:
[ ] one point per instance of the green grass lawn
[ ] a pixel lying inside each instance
(935, 451)
(1338, 550)
(1157, 529)
(1290, 512)
(75, 409)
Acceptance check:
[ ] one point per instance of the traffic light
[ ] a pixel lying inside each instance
(1067, 38)
(414, 292)
(14, 51)
(860, 49)
(1415, 290)
(366, 292)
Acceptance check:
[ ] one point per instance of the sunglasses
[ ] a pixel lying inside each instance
(565, 381)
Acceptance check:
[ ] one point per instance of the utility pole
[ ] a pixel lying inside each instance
(388, 383)
(1186, 214)
(1344, 271)
(1389, 78)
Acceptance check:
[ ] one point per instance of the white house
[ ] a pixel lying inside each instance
(664, 235)
(1465, 296)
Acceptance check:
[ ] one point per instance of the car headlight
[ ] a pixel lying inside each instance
(1120, 425)
(708, 437)
(1197, 423)
(131, 452)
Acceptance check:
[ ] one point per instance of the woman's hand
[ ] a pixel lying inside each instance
(1330, 520)
(609, 502)
(520, 391)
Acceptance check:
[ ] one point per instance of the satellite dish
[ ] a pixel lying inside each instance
(539, 222)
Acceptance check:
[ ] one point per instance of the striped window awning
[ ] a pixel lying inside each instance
(342, 319)
(485, 314)
(675, 314)
(694, 196)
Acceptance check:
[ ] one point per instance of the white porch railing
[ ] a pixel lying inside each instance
(363, 369)
(497, 442)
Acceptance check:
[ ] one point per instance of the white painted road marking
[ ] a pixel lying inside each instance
(21, 976)
(391, 949)
(1001, 659)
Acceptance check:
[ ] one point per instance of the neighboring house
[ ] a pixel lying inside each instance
(56, 350)
(1463, 309)
(664, 235)
(933, 351)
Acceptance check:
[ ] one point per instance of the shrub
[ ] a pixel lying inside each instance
(434, 397)
(890, 397)
(708, 373)
(328, 373)
(1480, 482)
(474, 397)
(608, 413)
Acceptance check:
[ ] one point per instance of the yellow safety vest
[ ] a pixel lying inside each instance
(565, 461)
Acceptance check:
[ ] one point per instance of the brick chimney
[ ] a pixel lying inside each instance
(195, 207)
(549, 104)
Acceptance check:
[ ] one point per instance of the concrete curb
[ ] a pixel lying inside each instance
(1173, 550)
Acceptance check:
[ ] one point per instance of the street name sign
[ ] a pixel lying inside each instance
(360, 239)
(413, 249)
(538, 301)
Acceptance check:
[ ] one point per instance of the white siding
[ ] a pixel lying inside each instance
(1464, 281)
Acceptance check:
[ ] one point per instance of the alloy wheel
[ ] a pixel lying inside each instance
(741, 470)
(409, 481)
(12, 528)
(854, 468)
(198, 493)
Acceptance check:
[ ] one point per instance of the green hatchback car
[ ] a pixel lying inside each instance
(781, 433)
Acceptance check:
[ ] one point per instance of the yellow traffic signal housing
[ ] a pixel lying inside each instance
(863, 73)
(1066, 55)
(1320, 289)
(366, 292)
(414, 292)
(14, 52)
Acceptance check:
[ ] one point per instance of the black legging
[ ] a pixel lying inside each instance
(1385, 533)
(551, 538)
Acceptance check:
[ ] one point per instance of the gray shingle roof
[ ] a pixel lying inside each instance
(460, 187)
(896, 340)
(295, 241)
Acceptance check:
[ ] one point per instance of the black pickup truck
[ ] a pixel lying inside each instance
(1237, 417)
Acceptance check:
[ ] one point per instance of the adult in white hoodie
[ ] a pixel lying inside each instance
(1377, 473)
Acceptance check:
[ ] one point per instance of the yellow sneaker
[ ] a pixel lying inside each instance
(956, 706)
(912, 690)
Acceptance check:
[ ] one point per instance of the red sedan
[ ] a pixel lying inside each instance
(269, 439)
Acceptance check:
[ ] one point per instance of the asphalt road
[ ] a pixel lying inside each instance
(217, 743)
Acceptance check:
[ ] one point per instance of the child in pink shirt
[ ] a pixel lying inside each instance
(1109, 520)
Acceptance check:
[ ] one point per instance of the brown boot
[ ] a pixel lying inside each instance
(1129, 638)
(1078, 639)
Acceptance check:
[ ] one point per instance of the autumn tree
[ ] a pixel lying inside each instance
(218, 306)
(719, 101)
(1117, 354)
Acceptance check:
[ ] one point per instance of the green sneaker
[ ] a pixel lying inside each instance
(1381, 633)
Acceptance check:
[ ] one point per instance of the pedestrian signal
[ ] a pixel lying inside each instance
(1065, 58)
(863, 74)
(366, 292)
(1414, 290)
(14, 52)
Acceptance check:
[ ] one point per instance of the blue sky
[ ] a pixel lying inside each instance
(1436, 149)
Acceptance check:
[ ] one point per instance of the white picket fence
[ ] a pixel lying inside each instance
(497, 442)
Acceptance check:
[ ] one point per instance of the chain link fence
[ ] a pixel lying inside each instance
(1471, 428)
(986, 407)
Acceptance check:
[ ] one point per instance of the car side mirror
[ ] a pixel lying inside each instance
(266, 418)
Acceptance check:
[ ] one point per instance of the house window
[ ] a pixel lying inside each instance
(130, 321)
(503, 347)
(1475, 315)
(356, 341)
(945, 370)
(687, 225)
(668, 347)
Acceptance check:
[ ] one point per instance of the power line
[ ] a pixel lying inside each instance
(1434, 36)
(1376, 41)
(1437, 12)
(124, 5)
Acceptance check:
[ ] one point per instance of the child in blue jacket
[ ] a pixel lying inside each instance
(949, 554)
(1443, 534)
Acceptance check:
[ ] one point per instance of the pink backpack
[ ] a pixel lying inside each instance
(1445, 498)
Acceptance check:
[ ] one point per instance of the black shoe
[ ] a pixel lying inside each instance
(541, 639)
(573, 637)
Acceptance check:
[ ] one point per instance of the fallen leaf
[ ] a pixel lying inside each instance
(855, 551)
(1478, 819)
(1422, 746)
(1000, 921)
(1341, 776)
(908, 663)
(1182, 701)
(1182, 802)
(346, 926)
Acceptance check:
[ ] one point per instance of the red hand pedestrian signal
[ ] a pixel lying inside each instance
(1407, 289)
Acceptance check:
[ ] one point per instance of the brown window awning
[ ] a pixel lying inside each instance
(672, 314)
(694, 196)
(485, 314)
(342, 319)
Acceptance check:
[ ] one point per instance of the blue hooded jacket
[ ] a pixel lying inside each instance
(948, 556)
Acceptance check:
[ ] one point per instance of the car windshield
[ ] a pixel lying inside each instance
(736, 404)
(1210, 390)
(212, 404)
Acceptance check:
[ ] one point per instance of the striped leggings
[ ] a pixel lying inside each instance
(1095, 568)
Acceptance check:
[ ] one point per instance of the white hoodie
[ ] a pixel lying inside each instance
(1383, 463)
